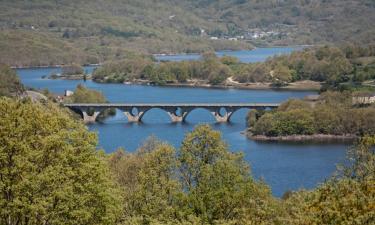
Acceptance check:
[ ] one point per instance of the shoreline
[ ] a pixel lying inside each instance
(255, 47)
(297, 86)
(301, 86)
(249, 86)
(303, 138)
(49, 66)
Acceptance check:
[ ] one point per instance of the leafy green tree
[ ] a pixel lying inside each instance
(10, 85)
(73, 69)
(347, 198)
(149, 181)
(51, 172)
(217, 183)
(86, 95)
(281, 75)
(219, 74)
(229, 60)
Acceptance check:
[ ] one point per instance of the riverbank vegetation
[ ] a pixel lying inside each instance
(335, 113)
(340, 68)
(51, 172)
(350, 67)
(210, 69)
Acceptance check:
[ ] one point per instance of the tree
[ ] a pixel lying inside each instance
(73, 69)
(217, 183)
(281, 75)
(229, 60)
(51, 172)
(10, 85)
(219, 74)
(347, 198)
(149, 181)
(86, 95)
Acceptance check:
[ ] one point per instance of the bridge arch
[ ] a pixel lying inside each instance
(143, 112)
(214, 111)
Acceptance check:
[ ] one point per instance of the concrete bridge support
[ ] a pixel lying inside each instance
(134, 117)
(175, 117)
(90, 119)
(222, 118)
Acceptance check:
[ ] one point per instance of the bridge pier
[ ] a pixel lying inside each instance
(222, 118)
(89, 119)
(177, 118)
(134, 118)
(174, 117)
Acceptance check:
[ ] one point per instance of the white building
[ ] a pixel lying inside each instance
(68, 93)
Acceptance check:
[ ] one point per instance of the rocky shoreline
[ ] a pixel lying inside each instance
(297, 86)
(68, 77)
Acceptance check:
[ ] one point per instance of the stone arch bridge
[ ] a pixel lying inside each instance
(177, 112)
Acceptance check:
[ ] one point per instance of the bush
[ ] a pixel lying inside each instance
(73, 69)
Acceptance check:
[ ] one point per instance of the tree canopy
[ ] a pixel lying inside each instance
(334, 114)
(51, 172)
(10, 84)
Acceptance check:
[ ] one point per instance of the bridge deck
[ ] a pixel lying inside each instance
(114, 105)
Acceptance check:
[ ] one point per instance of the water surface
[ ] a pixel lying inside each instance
(246, 56)
(284, 166)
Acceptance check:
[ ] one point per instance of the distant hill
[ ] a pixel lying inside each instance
(45, 32)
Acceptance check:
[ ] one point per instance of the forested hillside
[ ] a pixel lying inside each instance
(43, 32)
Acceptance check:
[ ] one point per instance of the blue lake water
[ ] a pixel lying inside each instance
(284, 166)
(256, 55)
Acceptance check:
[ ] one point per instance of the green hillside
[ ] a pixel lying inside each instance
(45, 32)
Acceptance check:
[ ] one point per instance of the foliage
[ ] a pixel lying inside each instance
(51, 173)
(50, 170)
(202, 184)
(73, 69)
(86, 95)
(333, 114)
(10, 84)
(217, 182)
(89, 31)
(346, 198)
(149, 183)
(331, 65)
(209, 68)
